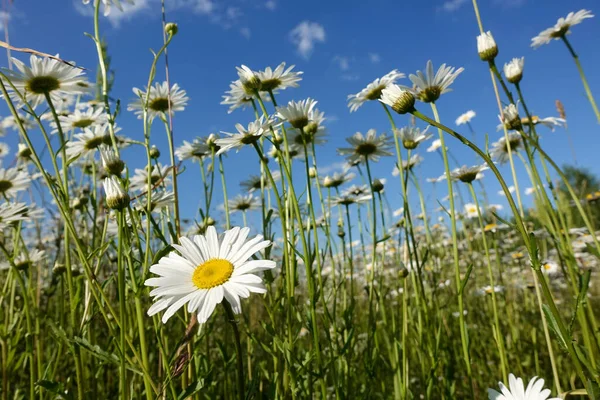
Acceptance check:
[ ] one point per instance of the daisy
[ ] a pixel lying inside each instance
(249, 79)
(373, 90)
(435, 145)
(561, 28)
(81, 119)
(468, 174)
(206, 271)
(337, 179)
(237, 97)
(510, 118)
(110, 160)
(517, 391)
(501, 149)
(245, 136)
(486, 46)
(25, 260)
(298, 114)
(11, 123)
(369, 147)
(279, 78)
(550, 268)
(158, 200)
(158, 174)
(46, 76)
(513, 70)
(243, 203)
(4, 150)
(409, 164)
(412, 136)
(401, 100)
(471, 210)
(196, 150)
(12, 212)
(348, 199)
(108, 3)
(116, 197)
(87, 142)
(254, 182)
(12, 181)
(548, 122)
(160, 100)
(465, 118)
(429, 86)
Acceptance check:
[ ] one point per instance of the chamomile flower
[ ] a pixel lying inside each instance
(517, 391)
(25, 260)
(11, 123)
(347, 199)
(279, 78)
(400, 99)
(237, 97)
(411, 136)
(548, 122)
(244, 136)
(409, 164)
(430, 86)
(12, 212)
(4, 149)
(46, 76)
(206, 271)
(110, 160)
(435, 145)
(510, 117)
(249, 79)
(368, 147)
(337, 179)
(465, 118)
(561, 28)
(159, 199)
(87, 142)
(81, 119)
(297, 113)
(513, 70)
(109, 3)
(502, 148)
(471, 210)
(12, 181)
(468, 174)
(373, 90)
(486, 46)
(116, 196)
(158, 173)
(254, 182)
(243, 203)
(160, 100)
(196, 150)
(550, 268)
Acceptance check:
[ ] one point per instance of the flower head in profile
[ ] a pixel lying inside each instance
(486, 46)
(337, 179)
(116, 197)
(237, 97)
(430, 86)
(510, 117)
(159, 174)
(368, 147)
(502, 148)
(255, 182)
(468, 174)
(517, 391)
(465, 118)
(279, 78)
(243, 203)
(435, 145)
(195, 151)
(401, 100)
(244, 136)
(561, 28)
(12, 181)
(249, 79)
(81, 119)
(513, 70)
(109, 3)
(88, 141)
(13, 212)
(297, 113)
(312, 134)
(409, 164)
(205, 270)
(373, 90)
(160, 100)
(411, 136)
(46, 76)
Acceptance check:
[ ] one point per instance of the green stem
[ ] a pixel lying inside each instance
(238, 350)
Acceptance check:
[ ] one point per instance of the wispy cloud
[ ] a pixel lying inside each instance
(452, 5)
(342, 62)
(375, 58)
(305, 35)
(271, 5)
(116, 16)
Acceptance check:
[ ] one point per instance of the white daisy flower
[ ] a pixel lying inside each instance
(196, 150)
(25, 260)
(243, 203)
(297, 113)
(435, 145)
(158, 100)
(409, 164)
(46, 76)
(279, 78)
(513, 70)
(116, 197)
(431, 86)
(254, 182)
(158, 200)
(13, 212)
(471, 210)
(468, 174)
(158, 174)
(500, 149)
(81, 119)
(249, 79)
(373, 90)
(245, 136)
(4, 149)
(12, 181)
(510, 118)
(11, 123)
(110, 160)
(561, 28)
(486, 46)
(465, 118)
(368, 147)
(108, 3)
(517, 391)
(206, 271)
(237, 97)
(87, 142)
(337, 179)
(550, 268)
(400, 99)
(411, 136)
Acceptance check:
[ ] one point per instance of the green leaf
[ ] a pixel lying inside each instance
(191, 390)
(554, 327)
(97, 351)
(54, 387)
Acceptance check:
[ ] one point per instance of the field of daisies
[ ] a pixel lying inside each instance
(331, 287)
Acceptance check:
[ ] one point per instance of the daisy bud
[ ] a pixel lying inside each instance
(154, 152)
(402, 101)
(23, 151)
(513, 71)
(510, 117)
(341, 232)
(486, 46)
(211, 142)
(171, 29)
(403, 272)
(58, 269)
(116, 197)
(312, 172)
(110, 161)
(249, 78)
(377, 186)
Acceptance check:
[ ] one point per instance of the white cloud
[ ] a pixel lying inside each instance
(349, 77)
(271, 5)
(375, 58)
(116, 16)
(305, 35)
(245, 31)
(343, 62)
(453, 5)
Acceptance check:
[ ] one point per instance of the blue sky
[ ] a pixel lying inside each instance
(341, 47)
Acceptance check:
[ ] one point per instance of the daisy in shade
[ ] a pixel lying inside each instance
(279, 78)
(13, 212)
(243, 203)
(373, 90)
(468, 174)
(159, 174)
(254, 182)
(368, 147)
(561, 28)
(195, 151)
(159, 100)
(25, 260)
(46, 76)
(502, 148)
(244, 136)
(237, 97)
(465, 118)
(87, 142)
(81, 119)
(109, 3)
(297, 113)
(517, 391)
(411, 136)
(12, 181)
(205, 270)
(430, 86)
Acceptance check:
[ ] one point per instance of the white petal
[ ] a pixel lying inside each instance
(176, 306)
(254, 266)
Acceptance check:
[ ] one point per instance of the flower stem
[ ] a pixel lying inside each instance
(238, 350)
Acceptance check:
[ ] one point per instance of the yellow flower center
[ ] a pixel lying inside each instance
(212, 273)
(489, 227)
(547, 266)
